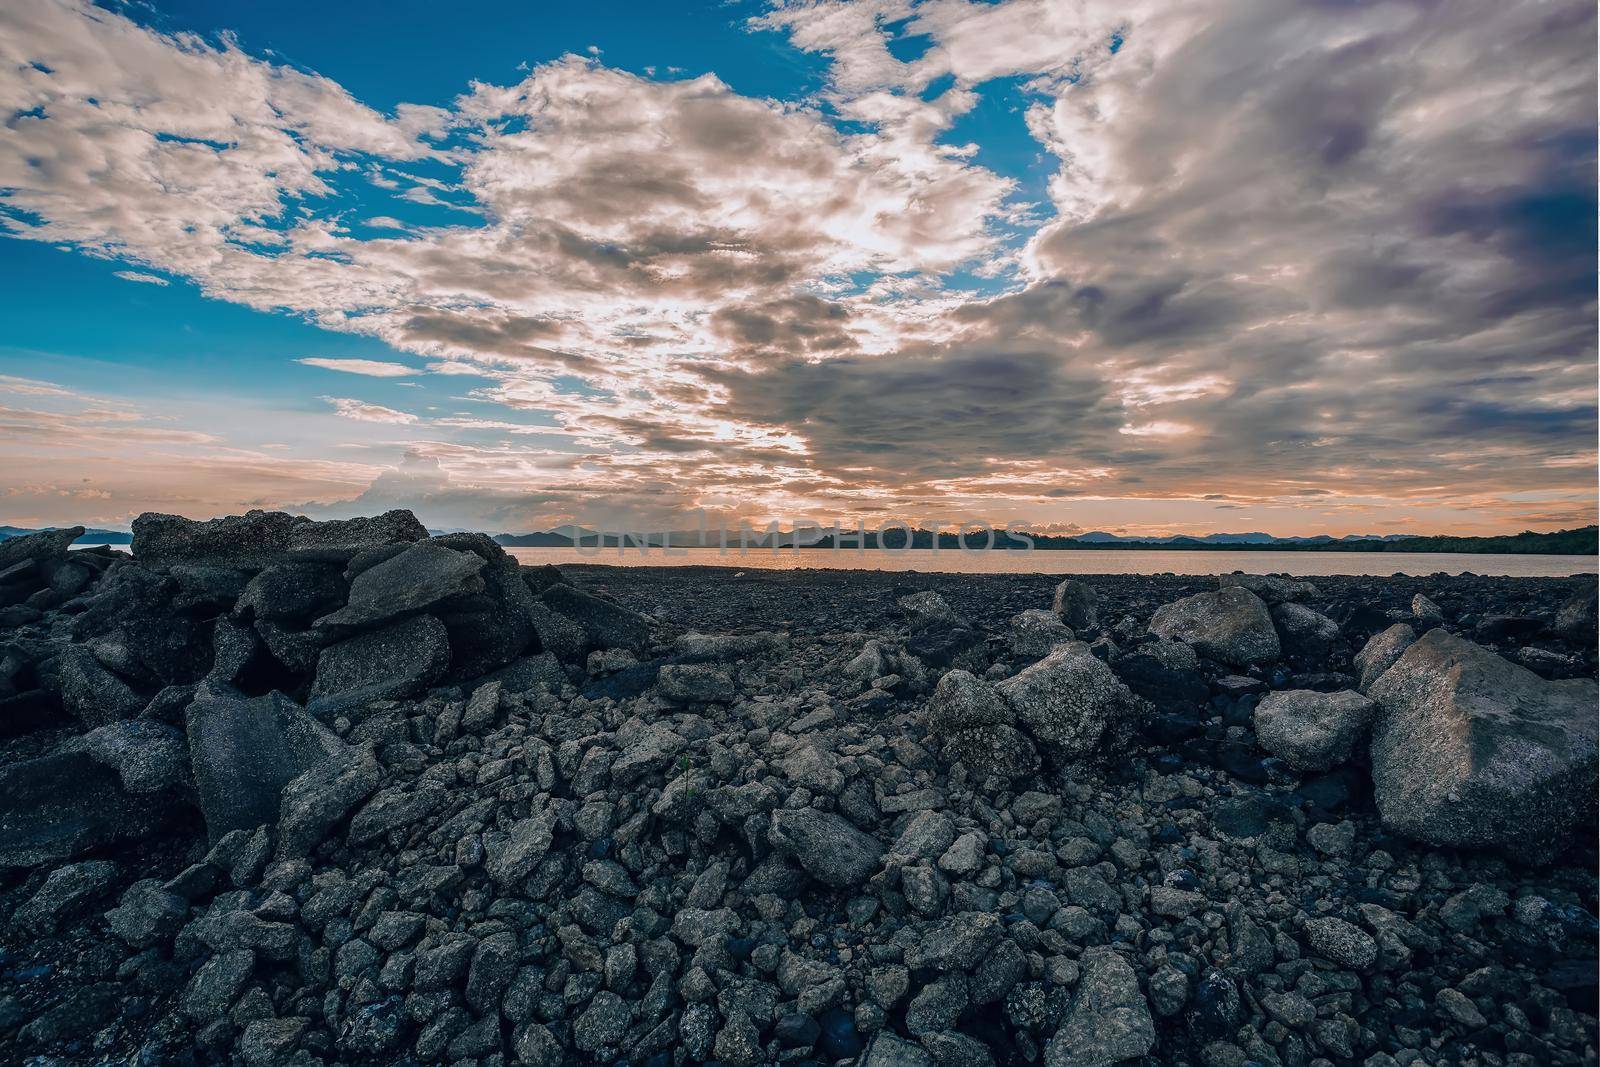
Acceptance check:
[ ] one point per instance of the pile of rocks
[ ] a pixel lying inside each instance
(292, 792)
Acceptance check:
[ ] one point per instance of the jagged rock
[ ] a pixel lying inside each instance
(36, 547)
(1576, 619)
(66, 892)
(291, 592)
(415, 580)
(1303, 632)
(1426, 611)
(1381, 652)
(148, 913)
(1110, 1020)
(149, 757)
(339, 540)
(927, 608)
(244, 751)
(604, 624)
(65, 804)
(94, 694)
(1470, 750)
(693, 683)
(1076, 604)
(890, 1050)
(389, 664)
(1067, 700)
(1035, 632)
(260, 538)
(557, 634)
(974, 725)
(829, 848)
(1313, 731)
(488, 631)
(715, 648)
(1273, 589)
(1231, 626)
(313, 804)
(142, 611)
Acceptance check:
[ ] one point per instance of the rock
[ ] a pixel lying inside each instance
(491, 630)
(483, 707)
(695, 683)
(340, 540)
(1273, 589)
(148, 914)
(1576, 619)
(64, 804)
(214, 986)
(1426, 611)
(1068, 700)
(36, 547)
(557, 634)
(261, 538)
(511, 857)
(291, 592)
(829, 848)
(320, 798)
(149, 757)
(603, 1023)
(962, 701)
(1313, 731)
(1344, 943)
(1076, 604)
(728, 648)
(927, 609)
(1231, 626)
(417, 579)
(270, 1042)
(244, 751)
(1304, 632)
(604, 624)
(888, 1050)
(1470, 750)
(389, 664)
(1035, 632)
(958, 943)
(1109, 1021)
(94, 694)
(1381, 652)
(66, 893)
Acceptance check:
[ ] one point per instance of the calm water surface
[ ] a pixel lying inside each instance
(1091, 561)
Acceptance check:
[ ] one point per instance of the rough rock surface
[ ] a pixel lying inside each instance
(775, 817)
(1313, 731)
(1231, 625)
(1471, 750)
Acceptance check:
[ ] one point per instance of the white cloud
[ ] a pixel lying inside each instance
(361, 411)
(138, 276)
(371, 368)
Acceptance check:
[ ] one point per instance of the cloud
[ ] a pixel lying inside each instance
(361, 411)
(371, 368)
(1349, 246)
(138, 276)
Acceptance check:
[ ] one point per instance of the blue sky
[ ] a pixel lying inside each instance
(1080, 265)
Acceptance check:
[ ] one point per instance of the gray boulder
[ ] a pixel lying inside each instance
(244, 751)
(695, 683)
(291, 592)
(313, 804)
(1068, 700)
(927, 608)
(149, 757)
(66, 893)
(831, 850)
(1313, 731)
(1426, 611)
(415, 580)
(974, 725)
(1076, 604)
(962, 701)
(1273, 589)
(36, 547)
(393, 663)
(1576, 619)
(339, 540)
(1110, 1019)
(1231, 626)
(260, 538)
(92, 693)
(489, 630)
(1380, 653)
(1304, 632)
(1035, 632)
(1472, 751)
(604, 624)
(67, 803)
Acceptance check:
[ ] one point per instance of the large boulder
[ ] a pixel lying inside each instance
(1068, 700)
(1470, 750)
(1576, 619)
(1312, 731)
(93, 693)
(1303, 632)
(245, 750)
(604, 624)
(393, 663)
(831, 850)
(1110, 1019)
(416, 579)
(1076, 604)
(291, 592)
(1035, 632)
(37, 547)
(494, 627)
(145, 612)
(1231, 625)
(1273, 589)
(1381, 652)
(259, 538)
(974, 725)
(71, 801)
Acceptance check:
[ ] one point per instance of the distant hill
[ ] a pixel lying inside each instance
(1579, 542)
(90, 537)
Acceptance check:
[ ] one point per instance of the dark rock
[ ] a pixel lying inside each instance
(1271, 588)
(36, 547)
(604, 624)
(291, 592)
(66, 893)
(64, 804)
(415, 580)
(1231, 625)
(1077, 605)
(1068, 700)
(1313, 731)
(389, 664)
(1304, 633)
(94, 694)
(829, 848)
(1109, 1021)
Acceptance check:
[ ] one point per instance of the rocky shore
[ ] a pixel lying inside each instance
(275, 791)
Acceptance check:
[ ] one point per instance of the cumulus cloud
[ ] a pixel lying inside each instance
(1348, 246)
(139, 276)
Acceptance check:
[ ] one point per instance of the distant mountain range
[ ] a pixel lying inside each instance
(1584, 541)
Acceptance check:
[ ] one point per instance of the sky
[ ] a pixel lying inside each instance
(1298, 267)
